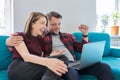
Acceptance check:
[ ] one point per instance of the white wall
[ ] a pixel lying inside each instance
(74, 12)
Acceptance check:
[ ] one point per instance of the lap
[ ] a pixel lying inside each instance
(72, 74)
(19, 69)
(98, 67)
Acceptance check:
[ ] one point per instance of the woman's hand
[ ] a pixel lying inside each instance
(57, 66)
(57, 52)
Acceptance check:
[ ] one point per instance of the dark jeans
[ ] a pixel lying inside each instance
(20, 70)
(72, 74)
(101, 70)
(49, 75)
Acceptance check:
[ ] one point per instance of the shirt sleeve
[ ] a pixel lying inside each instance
(77, 44)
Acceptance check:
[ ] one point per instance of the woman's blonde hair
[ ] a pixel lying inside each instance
(34, 16)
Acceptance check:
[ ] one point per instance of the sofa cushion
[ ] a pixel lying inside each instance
(5, 54)
(115, 52)
(114, 64)
(87, 77)
(3, 75)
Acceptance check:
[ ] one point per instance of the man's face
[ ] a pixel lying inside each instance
(54, 25)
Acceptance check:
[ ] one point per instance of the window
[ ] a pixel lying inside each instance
(104, 8)
(5, 17)
(2, 13)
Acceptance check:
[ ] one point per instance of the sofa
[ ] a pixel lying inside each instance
(5, 58)
(111, 56)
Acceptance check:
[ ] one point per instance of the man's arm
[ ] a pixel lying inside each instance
(84, 29)
(78, 45)
(13, 40)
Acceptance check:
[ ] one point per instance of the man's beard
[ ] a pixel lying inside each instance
(54, 32)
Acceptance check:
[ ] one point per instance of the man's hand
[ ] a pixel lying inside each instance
(14, 40)
(84, 29)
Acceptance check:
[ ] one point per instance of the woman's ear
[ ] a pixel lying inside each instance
(33, 25)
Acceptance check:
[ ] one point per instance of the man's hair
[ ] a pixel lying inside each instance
(53, 14)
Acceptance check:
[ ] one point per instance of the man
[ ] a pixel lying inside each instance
(55, 39)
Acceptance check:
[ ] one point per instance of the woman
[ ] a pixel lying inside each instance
(28, 61)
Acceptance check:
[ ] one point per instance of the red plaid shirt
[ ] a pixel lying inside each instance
(68, 40)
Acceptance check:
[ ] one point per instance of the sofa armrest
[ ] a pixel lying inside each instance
(115, 52)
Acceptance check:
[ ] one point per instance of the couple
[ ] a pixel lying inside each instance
(41, 55)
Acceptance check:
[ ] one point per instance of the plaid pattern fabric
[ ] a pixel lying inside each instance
(68, 40)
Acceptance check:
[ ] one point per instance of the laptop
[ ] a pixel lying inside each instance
(91, 54)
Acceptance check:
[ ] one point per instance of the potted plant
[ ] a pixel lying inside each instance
(115, 16)
(104, 20)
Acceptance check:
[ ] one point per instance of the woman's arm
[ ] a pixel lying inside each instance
(53, 64)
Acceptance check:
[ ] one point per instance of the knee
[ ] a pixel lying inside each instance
(105, 67)
(64, 58)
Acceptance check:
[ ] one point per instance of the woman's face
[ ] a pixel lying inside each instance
(39, 26)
